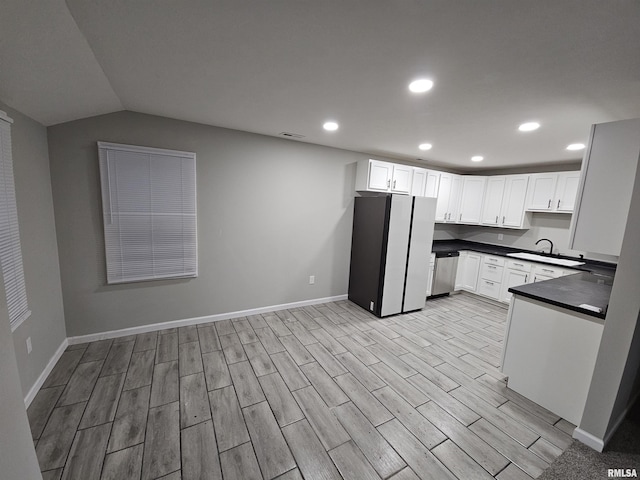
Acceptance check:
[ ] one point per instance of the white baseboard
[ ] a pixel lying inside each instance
(588, 439)
(197, 320)
(45, 373)
(596, 443)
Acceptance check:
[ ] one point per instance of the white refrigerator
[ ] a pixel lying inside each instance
(390, 250)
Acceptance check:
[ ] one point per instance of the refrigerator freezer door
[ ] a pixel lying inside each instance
(395, 265)
(424, 217)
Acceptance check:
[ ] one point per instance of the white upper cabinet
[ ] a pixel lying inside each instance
(378, 176)
(606, 186)
(542, 189)
(471, 199)
(433, 181)
(566, 191)
(553, 192)
(504, 201)
(419, 182)
(449, 193)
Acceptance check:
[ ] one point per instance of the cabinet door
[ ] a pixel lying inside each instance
(471, 271)
(492, 208)
(513, 201)
(419, 182)
(542, 189)
(454, 198)
(471, 200)
(380, 175)
(401, 179)
(444, 192)
(433, 181)
(566, 191)
(512, 278)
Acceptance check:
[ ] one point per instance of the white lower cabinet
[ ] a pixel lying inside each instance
(515, 273)
(470, 271)
(490, 281)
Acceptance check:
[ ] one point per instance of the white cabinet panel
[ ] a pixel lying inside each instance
(380, 175)
(489, 288)
(513, 202)
(471, 271)
(512, 278)
(433, 181)
(566, 191)
(401, 179)
(471, 199)
(542, 188)
(492, 208)
(606, 185)
(419, 182)
(448, 197)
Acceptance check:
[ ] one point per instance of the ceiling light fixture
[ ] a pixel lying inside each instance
(330, 126)
(425, 146)
(575, 146)
(529, 127)
(420, 86)
(477, 158)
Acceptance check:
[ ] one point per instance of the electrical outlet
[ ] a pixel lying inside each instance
(312, 279)
(500, 236)
(29, 347)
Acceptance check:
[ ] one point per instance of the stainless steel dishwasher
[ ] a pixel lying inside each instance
(444, 273)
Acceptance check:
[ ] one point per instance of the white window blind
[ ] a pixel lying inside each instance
(149, 209)
(10, 251)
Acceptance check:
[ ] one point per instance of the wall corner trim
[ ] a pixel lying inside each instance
(588, 439)
(197, 320)
(45, 373)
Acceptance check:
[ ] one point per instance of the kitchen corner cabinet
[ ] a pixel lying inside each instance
(471, 199)
(378, 176)
(504, 202)
(553, 192)
(449, 193)
(606, 184)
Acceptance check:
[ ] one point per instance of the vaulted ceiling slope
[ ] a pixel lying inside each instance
(289, 65)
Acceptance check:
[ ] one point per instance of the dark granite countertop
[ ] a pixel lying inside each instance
(593, 266)
(591, 287)
(571, 291)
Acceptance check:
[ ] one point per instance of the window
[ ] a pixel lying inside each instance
(10, 251)
(149, 211)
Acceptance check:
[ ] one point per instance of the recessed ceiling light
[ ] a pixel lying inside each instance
(330, 126)
(575, 146)
(477, 158)
(425, 146)
(529, 127)
(420, 86)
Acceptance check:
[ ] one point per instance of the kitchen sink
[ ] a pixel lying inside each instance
(542, 258)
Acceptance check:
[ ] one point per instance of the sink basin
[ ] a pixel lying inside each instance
(541, 258)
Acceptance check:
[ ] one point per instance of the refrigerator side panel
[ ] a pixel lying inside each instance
(424, 217)
(368, 242)
(396, 259)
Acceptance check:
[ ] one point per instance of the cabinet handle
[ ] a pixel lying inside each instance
(388, 183)
(518, 265)
(547, 270)
(460, 218)
(492, 266)
(503, 219)
(526, 277)
(549, 205)
(496, 219)
(558, 204)
(535, 279)
(488, 282)
(394, 184)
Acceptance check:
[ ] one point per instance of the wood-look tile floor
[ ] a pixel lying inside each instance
(316, 393)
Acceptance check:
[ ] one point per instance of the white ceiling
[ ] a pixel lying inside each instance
(289, 65)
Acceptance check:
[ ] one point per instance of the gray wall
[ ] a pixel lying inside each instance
(271, 212)
(616, 369)
(39, 249)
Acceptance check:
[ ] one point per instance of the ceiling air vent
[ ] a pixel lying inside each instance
(290, 135)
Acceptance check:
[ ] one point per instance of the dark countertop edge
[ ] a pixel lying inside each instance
(566, 306)
(595, 266)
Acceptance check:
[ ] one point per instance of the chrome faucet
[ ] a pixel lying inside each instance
(550, 243)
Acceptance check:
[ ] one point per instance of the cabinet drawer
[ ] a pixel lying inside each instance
(547, 271)
(491, 260)
(492, 272)
(520, 266)
(489, 288)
